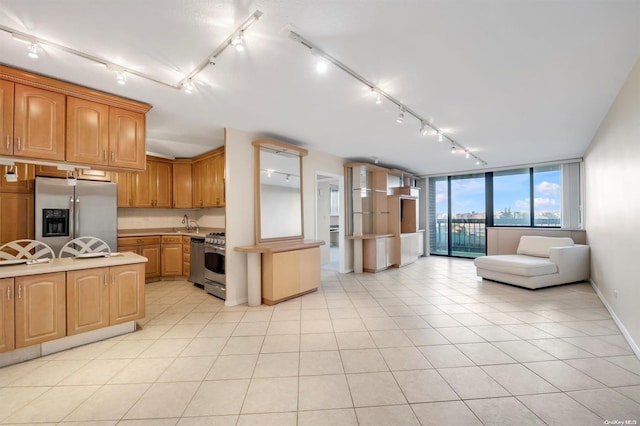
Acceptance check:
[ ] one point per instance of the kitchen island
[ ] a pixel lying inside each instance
(64, 303)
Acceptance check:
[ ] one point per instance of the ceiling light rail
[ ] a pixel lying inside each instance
(424, 124)
(236, 39)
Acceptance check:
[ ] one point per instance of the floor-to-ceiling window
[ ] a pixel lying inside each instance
(462, 206)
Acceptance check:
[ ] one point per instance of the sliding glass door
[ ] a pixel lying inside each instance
(467, 206)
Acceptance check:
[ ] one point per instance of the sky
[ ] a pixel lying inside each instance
(511, 191)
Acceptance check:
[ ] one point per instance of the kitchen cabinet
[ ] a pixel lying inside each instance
(6, 117)
(186, 256)
(377, 253)
(87, 132)
(290, 273)
(208, 180)
(126, 139)
(82, 174)
(87, 300)
(100, 297)
(182, 184)
(40, 308)
(171, 258)
(148, 247)
(39, 123)
(7, 323)
(126, 293)
(125, 195)
(25, 179)
(16, 217)
(152, 188)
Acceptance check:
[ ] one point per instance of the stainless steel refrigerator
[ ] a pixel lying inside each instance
(64, 212)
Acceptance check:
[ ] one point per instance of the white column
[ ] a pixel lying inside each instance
(254, 278)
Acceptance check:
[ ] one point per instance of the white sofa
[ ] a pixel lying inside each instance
(539, 262)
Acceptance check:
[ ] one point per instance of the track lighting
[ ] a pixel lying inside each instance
(423, 128)
(321, 65)
(453, 149)
(286, 178)
(188, 86)
(33, 50)
(269, 171)
(378, 99)
(400, 118)
(477, 162)
(440, 136)
(238, 41)
(121, 77)
(466, 154)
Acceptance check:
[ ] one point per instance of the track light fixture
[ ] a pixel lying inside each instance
(321, 65)
(188, 86)
(121, 77)
(236, 39)
(33, 51)
(424, 129)
(466, 154)
(380, 93)
(453, 149)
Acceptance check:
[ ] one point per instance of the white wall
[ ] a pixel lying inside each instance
(139, 218)
(612, 206)
(240, 207)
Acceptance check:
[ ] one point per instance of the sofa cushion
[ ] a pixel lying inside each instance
(539, 246)
(527, 266)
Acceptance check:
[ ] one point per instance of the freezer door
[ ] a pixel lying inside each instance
(97, 211)
(53, 194)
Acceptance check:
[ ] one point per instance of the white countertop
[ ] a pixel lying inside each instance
(166, 231)
(70, 264)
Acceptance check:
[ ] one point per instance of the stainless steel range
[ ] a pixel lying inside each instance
(214, 265)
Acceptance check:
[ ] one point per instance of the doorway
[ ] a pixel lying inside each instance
(330, 220)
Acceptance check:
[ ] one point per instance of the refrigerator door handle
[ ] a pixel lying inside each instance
(72, 219)
(77, 213)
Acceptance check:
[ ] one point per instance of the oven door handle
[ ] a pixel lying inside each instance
(216, 250)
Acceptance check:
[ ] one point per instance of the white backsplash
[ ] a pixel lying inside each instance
(137, 218)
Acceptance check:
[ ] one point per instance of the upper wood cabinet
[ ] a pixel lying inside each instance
(16, 217)
(47, 119)
(182, 185)
(6, 117)
(126, 139)
(39, 117)
(40, 308)
(208, 180)
(152, 188)
(125, 194)
(87, 132)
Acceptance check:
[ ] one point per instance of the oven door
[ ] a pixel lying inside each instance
(214, 264)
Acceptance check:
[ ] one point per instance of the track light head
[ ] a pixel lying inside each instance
(187, 86)
(477, 162)
(400, 118)
(424, 129)
(321, 65)
(33, 50)
(440, 136)
(121, 77)
(453, 149)
(238, 41)
(466, 154)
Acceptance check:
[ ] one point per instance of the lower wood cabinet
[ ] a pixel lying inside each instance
(87, 300)
(289, 274)
(171, 257)
(148, 247)
(126, 293)
(7, 322)
(40, 308)
(186, 256)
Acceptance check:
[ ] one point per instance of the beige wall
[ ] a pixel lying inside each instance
(612, 206)
(137, 218)
(239, 202)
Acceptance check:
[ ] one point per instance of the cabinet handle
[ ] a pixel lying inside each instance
(19, 144)
(8, 142)
(104, 154)
(113, 156)
(19, 291)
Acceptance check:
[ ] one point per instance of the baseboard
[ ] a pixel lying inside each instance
(623, 329)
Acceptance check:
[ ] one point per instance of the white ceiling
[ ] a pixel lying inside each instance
(515, 82)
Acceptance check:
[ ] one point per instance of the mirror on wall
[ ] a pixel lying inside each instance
(278, 191)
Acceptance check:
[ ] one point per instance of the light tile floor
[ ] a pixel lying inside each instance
(426, 344)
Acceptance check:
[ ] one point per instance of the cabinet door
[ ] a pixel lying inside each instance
(40, 308)
(209, 183)
(87, 132)
(141, 184)
(152, 267)
(182, 186)
(125, 196)
(25, 179)
(16, 217)
(198, 183)
(87, 300)
(6, 117)
(126, 139)
(126, 300)
(7, 326)
(171, 260)
(39, 123)
(218, 171)
(162, 181)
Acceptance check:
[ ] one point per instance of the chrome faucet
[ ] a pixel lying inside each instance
(196, 226)
(185, 221)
